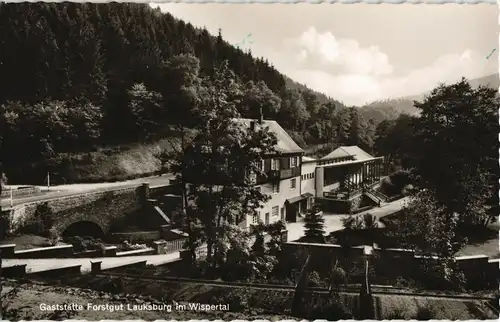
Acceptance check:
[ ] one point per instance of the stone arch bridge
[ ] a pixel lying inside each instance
(94, 211)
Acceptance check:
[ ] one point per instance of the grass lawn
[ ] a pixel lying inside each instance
(488, 248)
(30, 296)
(442, 309)
(481, 241)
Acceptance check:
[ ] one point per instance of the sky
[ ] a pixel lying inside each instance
(358, 53)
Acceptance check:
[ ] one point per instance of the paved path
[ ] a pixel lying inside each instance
(333, 222)
(78, 188)
(38, 265)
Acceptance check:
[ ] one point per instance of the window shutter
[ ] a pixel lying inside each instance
(267, 165)
(285, 163)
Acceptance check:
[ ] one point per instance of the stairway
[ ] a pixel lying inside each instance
(374, 195)
(159, 209)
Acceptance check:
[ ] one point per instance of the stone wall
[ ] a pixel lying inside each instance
(100, 208)
(334, 206)
(21, 191)
(391, 263)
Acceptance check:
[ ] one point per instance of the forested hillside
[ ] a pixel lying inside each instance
(392, 108)
(87, 87)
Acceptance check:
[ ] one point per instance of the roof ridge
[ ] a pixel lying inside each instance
(342, 148)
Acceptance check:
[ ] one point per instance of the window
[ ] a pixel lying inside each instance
(275, 164)
(312, 175)
(255, 218)
(275, 211)
(276, 188)
(302, 177)
(293, 162)
(293, 183)
(262, 165)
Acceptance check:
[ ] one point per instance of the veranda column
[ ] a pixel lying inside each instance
(319, 181)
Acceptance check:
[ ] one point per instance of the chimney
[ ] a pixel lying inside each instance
(261, 116)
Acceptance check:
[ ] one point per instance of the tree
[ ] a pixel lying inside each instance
(456, 143)
(259, 96)
(182, 95)
(336, 278)
(314, 226)
(226, 157)
(394, 140)
(293, 113)
(360, 132)
(146, 107)
(427, 228)
(3, 181)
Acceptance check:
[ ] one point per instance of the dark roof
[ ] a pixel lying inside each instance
(299, 198)
(285, 143)
(307, 195)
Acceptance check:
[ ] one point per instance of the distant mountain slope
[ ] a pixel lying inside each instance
(322, 98)
(391, 108)
(492, 81)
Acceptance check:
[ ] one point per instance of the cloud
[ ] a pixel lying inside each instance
(338, 55)
(355, 75)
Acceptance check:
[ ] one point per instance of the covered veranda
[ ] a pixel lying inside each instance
(346, 179)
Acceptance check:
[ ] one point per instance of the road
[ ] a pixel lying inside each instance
(78, 188)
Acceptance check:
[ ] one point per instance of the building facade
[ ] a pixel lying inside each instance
(295, 182)
(283, 175)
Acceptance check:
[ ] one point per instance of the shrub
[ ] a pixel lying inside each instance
(54, 236)
(424, 313)
(397, 313)
(126, 246)
(397, 183)
(332, 310)
(81, 244)
(314, 279)
(41, 222)
(408, 189)
(386, 186)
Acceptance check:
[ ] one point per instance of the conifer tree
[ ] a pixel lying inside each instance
(314, 226)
